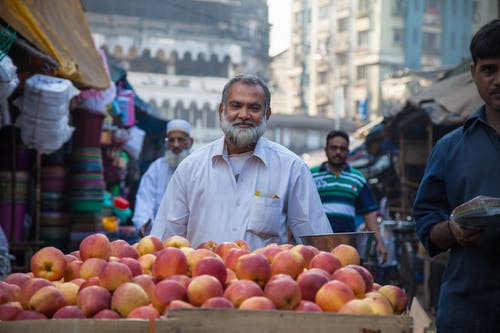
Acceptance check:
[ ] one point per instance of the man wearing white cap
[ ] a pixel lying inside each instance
(155, 180)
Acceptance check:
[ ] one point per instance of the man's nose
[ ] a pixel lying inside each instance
(244, 113)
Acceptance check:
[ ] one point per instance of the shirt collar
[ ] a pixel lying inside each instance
(323, 167)
(219, 151)
(477, 116)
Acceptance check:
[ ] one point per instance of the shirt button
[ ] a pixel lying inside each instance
(235, 229)
(237, 203)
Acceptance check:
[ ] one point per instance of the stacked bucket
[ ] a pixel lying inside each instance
(54, 215)
(14, 192)
(86, 181)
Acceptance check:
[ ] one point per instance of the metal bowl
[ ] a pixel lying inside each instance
(360, 240)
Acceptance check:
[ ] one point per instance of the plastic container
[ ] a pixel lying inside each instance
(88, 124)
(25, 158)
(121, 203)
(16, 230)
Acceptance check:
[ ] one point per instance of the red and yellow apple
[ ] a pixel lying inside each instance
(347, 254)
(240, 290)
(326, 261)
(127, 297)
(95, 246)
(48, 263)
(203, 287)
(169, 261)
(93, 299)
(284, 292)
(288, 262)
(165, 292)
(333, 295)
(177, 241)
(47, 300)
(254, 267)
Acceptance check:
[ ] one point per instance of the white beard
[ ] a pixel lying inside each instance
(174, 159)
(242, 137)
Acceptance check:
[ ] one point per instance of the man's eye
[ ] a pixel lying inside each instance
(488, 69)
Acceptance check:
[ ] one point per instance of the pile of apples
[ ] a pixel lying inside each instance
(112, 279)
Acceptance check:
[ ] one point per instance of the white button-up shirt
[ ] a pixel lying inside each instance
(274, 192)
(151, 189)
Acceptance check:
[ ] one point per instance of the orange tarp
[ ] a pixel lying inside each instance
(60, 30)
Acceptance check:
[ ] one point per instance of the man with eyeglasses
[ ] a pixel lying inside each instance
(344, 190)
(155, 180)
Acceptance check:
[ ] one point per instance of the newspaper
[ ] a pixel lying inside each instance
(480, 212)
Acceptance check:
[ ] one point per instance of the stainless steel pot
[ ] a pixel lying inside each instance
(360, 240)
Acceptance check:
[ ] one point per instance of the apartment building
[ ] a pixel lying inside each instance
(340, 50)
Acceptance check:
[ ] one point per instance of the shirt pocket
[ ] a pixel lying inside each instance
(265, 213)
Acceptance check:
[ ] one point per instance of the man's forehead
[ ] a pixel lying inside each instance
(240, 90)
(176, 133)
(337, 140)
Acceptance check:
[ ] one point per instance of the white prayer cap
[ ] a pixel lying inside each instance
(179, 125)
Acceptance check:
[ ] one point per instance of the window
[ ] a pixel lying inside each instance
(322, 109)
(324, 12)
(342, 24)
(322, 78)
(361, 72)
(397, 36)
(431, 42)
(431, 7)
(341, 59)
(363, 38)
(399, 8)
(299, 16)
(363, 7)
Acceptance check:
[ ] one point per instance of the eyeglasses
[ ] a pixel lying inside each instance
(173, 140)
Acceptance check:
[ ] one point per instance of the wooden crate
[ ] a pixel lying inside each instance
(239, 321)
(222, 321)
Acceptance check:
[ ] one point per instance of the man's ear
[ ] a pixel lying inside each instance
(191, 141)
(220, 109)
(268, 113)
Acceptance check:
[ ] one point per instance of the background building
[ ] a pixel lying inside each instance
(179, 54)
(341, 50)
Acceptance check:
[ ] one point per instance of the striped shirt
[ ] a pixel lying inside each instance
(343, 196)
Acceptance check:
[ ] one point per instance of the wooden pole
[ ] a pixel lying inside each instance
(13, 185)
(38, 167)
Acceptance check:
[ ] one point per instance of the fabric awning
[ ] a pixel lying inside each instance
(449, 101)
(60, 30)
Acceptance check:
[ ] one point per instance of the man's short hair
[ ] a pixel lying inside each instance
(248, 79)
(335, 133)
(486, 41)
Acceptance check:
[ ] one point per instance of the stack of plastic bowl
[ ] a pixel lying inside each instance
(86, 181)
(14, 189)
(54, 216)
(13, 201)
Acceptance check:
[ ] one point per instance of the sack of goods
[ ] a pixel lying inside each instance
(44, 114)
(8, 82)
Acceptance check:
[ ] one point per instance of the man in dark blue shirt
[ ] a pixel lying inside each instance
(464, 164)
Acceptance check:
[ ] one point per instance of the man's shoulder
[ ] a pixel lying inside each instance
(354, 171)
(160, 162)
(317, 168)
(280, 150)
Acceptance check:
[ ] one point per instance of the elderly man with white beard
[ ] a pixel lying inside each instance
(242, 186)
(155, 180)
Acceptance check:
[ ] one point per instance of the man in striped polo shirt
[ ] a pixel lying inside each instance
(344, 190)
